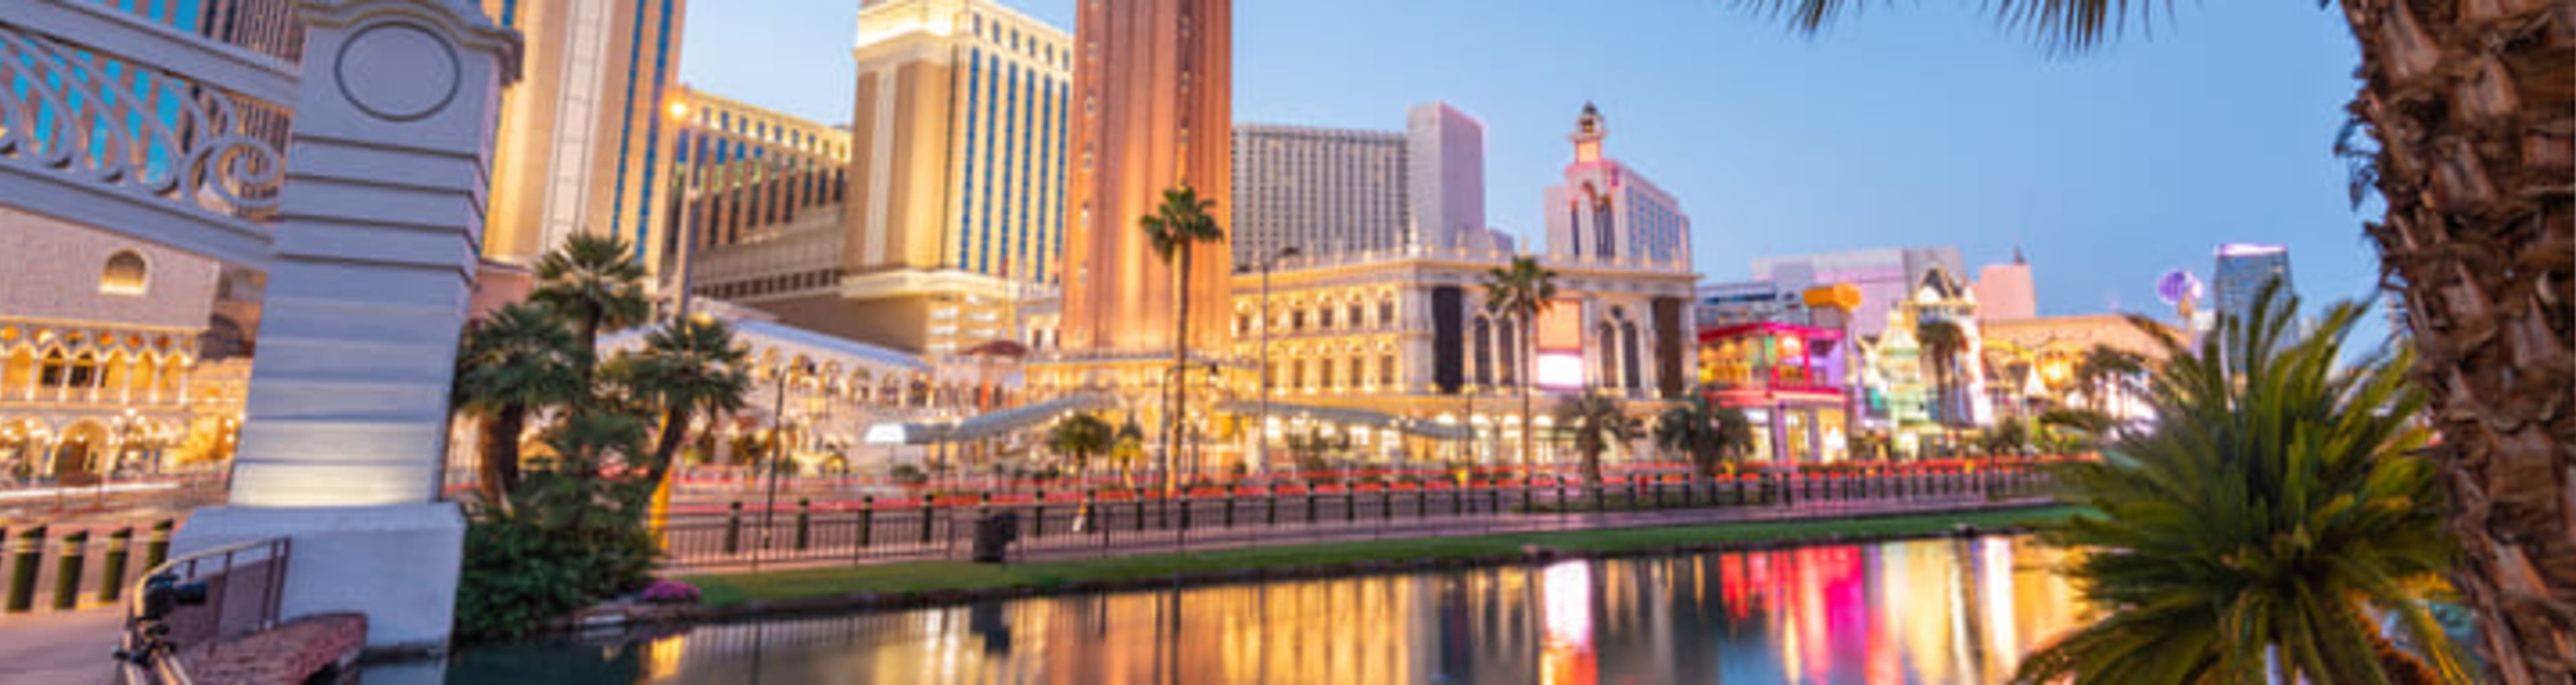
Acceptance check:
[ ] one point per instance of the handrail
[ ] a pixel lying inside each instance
(147, 655)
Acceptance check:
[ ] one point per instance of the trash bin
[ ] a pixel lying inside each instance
(993, 534)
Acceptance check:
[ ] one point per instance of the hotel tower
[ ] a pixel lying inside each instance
(583, 134)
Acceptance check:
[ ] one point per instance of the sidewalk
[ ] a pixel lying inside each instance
(69, 648)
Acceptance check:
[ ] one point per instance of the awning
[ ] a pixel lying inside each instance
(993, 425)
(1348, 416)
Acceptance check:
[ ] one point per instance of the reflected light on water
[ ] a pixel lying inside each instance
(1924, 611)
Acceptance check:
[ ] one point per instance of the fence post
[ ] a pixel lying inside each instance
(1386, 505)
(1457, 501)
(22, 573)
(733, 528)
(111, 573)
(804, 523)
(1229, 506)
(929, 515)
(1272, 503)
(1185, 511)
(67, 570)
(1310, 504)
(156, 549)
(1037, 512)
(1421, 504)
(867, 519)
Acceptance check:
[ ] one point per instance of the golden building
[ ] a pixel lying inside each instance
(1154, 80)
(583, 133)
(759, 206)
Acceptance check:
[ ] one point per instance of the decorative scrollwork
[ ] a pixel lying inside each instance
(86, 113)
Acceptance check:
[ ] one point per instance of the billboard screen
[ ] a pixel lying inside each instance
(1560, 345)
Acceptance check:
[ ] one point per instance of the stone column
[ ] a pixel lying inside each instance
(379, 225)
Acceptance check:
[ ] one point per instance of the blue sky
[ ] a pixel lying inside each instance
(1922, 124)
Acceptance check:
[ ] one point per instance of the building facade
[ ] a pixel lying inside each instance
(2243, 269)
(1445, 178)
(1154, 83)
(1322, 190)
(1885, 277)
(584, 134)
(757, 202)
(1607, 210)
(2005, 292)
(1789, 380)
(100, 374)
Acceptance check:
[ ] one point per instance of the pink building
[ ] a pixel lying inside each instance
(2004, 291)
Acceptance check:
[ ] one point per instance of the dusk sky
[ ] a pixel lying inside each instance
(1916, 125)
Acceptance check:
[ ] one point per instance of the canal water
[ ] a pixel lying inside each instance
(1947, 610)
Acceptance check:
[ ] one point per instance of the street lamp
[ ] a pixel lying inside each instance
(1261, 430)
(777, 448)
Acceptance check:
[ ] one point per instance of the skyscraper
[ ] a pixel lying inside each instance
(1154, 82)
(1609, 212)
(1444, 153)
(584, 134)
(1324, 190)
(2243, 269)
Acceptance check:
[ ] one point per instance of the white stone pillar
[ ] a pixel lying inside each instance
(379, 224)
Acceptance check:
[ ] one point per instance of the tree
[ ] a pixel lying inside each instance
(595, 281)
(1080, 437)
(1128, 448)
(2264, 525)
(1520, 292)
(1941, 342)
(1705, 430)
(689, 369)
(2471, 118)
(1175, 229)
(518, 361)
(1595, 422)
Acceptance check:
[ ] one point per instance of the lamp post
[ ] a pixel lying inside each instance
(1261, 429)
(777, 450)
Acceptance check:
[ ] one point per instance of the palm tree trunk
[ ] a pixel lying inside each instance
(1178, 379)
(675, 430)
(1529, 348)
(501, 450)
(2474, 116)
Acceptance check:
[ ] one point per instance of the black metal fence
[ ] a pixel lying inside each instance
(201, 598)
(1094, 523)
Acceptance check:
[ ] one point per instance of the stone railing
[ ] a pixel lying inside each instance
(94, 93)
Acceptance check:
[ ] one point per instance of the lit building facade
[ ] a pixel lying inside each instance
(1153, 90)
(2243, 269)
(1791, 383)
(1885, 277)
(1323, 190)
(759, 203)
(100, 369)
(1904, 388)
(584, 133)
(2030, 364)
(1607, 210)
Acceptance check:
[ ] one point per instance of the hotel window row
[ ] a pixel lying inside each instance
(1012, 169)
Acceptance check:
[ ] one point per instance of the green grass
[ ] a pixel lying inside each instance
(734, 588)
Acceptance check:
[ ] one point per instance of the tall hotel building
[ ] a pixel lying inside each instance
(1332, 191)
(583, 132)
(1154, 87)
(758, 202)
(2243, 270)
(1609, 212)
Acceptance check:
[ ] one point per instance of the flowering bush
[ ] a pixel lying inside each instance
(669, 592)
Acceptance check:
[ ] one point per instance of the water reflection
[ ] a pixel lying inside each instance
(1929, 611)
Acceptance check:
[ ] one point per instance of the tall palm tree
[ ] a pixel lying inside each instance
(1081, 437)
(1519, 292)
(1595, 422)
(1707, 431)
(689, 369)
(2469, 111)
(519, 360)
(1941, 342)
(1177, 226)
(2274, 515)
(595, 281)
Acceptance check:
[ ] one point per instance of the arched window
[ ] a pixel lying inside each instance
(52, 374)
(1482, 356)
(125, 274)
(84, 370)
(1630, 355)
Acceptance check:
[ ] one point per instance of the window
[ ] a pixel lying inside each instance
(125, 274)
(1324, 317)
(1324, 373)
(1359, 370)
(1386, 370)
(1386, 313)
(1296, 373)
(1296, 320)
(1355, 315)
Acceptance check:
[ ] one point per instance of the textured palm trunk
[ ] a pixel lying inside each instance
(675, 430)
(1178, 378)
(501, 450)
(1529, 385)
(2474, 107)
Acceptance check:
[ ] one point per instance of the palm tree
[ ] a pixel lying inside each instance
(2273, 516)
(1705, 430)
(519, 360)
(1080, 437)
(595, 281)
(1941, 342)
(1595, 422)
(2470, 116)
(1127, 449)
(1520, 292)
(689, 369)
(1175, 229)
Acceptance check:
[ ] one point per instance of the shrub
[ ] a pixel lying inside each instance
(566, 541)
